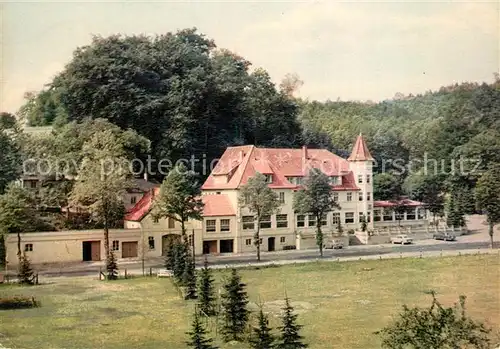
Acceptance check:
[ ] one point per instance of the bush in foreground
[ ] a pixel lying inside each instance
(17, 303)
(435, 327)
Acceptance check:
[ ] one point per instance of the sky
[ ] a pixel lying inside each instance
(350, 50)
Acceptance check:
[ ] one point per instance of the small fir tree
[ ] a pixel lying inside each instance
(455, 215)
(180, 254)
(290, 338)
(3, 253)
(189, 278)
(234, 306)
(206, 291)
(25, 273)
(111, 266)
(170, 258)
(261, 337)
(198, 338)
(364, 225)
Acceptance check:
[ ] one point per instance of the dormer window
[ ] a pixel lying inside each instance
(334, 180)
(269, 178)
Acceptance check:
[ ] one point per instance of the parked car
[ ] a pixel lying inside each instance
(335, 244)
(401, 239)
(444, 236)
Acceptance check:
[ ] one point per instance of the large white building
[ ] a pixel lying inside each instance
(228, 228)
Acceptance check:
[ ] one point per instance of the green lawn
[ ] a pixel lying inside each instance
(340, 304)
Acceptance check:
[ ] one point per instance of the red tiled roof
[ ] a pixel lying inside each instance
(281, 163)
(142, 207)
(405, 202)
(217, 205)
(360, 151)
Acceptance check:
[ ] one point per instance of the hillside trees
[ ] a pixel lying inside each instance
(176, 89)
(488, 197)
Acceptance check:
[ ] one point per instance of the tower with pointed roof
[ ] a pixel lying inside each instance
(361, 164)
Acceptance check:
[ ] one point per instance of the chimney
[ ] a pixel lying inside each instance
(146, 176)
(304, 152)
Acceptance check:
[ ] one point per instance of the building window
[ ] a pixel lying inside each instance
(260, 241)
(151, 242)
(324, 219)
(281, 221)
(190, 239)
(387, 215)
(336, 197)
(32, 184)
(248, 242)
(218, 192)
(282, 239)
(171, 223)
(361, 215)
(349, 196)
(368, 177)
(282, 197)
(210, 225)
(334, 180)
(369, 206)
(369, 217)
(265, 222)
(247, 199)
(360, 178)
(368, 196)
(360, 196)
(301, 220)
(410, 215)
(376, 215)
(269, 178)
(155, 220)
(224, 225)
(28, 247)
(336, 218)
(133, 200)
(311, 221)
(421, 213)
(248, 222)
(349, 217)
(116, 245)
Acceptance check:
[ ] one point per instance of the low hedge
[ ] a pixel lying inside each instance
(17, 302)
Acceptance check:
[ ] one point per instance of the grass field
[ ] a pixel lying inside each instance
(340, 304)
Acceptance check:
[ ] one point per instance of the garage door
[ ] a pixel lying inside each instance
(129, 249)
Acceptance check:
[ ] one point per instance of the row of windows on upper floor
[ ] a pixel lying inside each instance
(281, 221)
(336, 197)
(334, 180)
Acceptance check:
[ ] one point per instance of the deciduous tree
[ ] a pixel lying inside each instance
(315, 198)
(260, 200)
(488, 197)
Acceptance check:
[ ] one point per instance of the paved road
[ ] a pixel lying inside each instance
(135, 267)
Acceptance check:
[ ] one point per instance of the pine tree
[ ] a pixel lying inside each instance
(189, 278)
(198, 335)
(206, 292)
(180, 255)
(234, 305)
(3, 254)
(290, 338)
(170, 258)
(262, 337)
(455, 215)
(111, 266)
(25, 273)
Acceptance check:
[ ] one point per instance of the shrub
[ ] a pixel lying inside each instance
(18, 303)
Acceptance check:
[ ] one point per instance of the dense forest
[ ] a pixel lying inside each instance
(186, 97)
